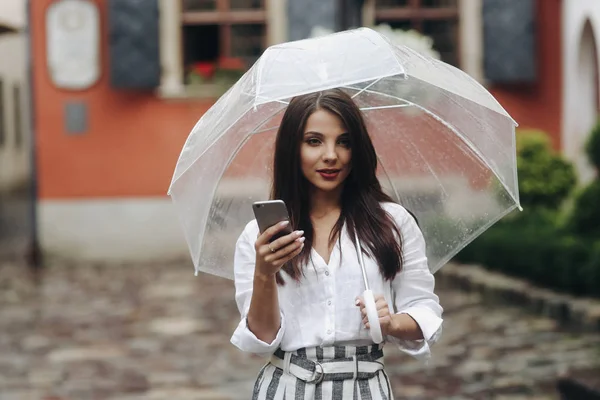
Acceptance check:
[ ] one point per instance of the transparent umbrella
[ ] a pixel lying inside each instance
(446, 147)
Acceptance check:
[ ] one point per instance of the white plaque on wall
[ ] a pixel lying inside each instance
(73, 43)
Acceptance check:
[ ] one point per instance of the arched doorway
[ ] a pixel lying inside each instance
(588, 99)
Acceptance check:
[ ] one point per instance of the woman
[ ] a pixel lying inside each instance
(298, 294)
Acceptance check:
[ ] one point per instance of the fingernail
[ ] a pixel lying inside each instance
(301, 240)
(284, 223)
(357, 302)
(299, 233)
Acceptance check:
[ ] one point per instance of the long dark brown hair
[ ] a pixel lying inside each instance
(362, 194)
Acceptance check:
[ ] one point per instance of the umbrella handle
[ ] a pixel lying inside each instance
(373, 317)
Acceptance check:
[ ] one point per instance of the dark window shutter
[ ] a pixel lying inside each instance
(509, 41)
(134, 44)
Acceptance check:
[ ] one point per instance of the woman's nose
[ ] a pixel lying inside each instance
(330, 154)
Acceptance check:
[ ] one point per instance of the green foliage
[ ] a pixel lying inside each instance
(545, 178)
(222, 76)
(539, 254)
(585, 217)
(534, 244)
(593, 147)
(592, 270)
(531, 218)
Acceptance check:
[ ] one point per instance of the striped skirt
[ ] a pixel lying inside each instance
(325, 373)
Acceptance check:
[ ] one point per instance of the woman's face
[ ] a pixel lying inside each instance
(325, 153)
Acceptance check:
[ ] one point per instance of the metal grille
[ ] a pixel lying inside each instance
(437, 19)
(391, 3)
(199, 5)
(403, 24)
(416, 4)
(438, 3)
(444, 34)
(247, 4)
(247, 41)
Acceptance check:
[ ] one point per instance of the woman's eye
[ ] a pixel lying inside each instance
(313, 141)
(344, 142)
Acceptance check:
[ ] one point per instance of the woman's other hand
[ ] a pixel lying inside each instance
(270, 257)
(383, 311)
(402, 325)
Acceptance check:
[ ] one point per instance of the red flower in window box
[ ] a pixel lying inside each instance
(232, 63)
(205, 69)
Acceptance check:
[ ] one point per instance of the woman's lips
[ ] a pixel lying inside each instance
(329, 174)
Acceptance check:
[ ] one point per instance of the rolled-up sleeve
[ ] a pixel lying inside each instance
(413, 290)
(244, 263)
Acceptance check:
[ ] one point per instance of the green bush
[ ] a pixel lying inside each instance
(531, 218)
(539, 254)
(593, 147)
(592, 271)
(585, 216)
(545, 178)
(535, 244)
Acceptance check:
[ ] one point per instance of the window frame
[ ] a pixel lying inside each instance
(469, 48)
(417, 14)
(226, 17)
(171, 42)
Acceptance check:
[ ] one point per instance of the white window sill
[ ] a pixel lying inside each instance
(205, 91)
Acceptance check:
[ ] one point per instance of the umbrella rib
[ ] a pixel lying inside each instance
(406, 102)
(429, 167)
(322, 88)
(258, 78)
(441, 262)
(492, 138)
(274, 100)
(366, 87)
(385, 107)
(389, 179)
(469, 144)
(255, 132)
(196, 127)
(237, 150)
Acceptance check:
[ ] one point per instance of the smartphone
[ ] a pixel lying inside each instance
(269, 213)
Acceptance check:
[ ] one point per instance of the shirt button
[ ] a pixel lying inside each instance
(327, 273)
(329, 303)
(329, 331)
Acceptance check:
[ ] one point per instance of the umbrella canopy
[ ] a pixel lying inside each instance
(446, 147)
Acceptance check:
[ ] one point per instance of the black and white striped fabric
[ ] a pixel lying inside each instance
(369, 382)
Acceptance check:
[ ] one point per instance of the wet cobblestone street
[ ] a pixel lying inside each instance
(157, 332)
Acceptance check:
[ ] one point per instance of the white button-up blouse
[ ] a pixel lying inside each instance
(320, 310)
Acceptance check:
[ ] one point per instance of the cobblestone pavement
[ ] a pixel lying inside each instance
(156, 332)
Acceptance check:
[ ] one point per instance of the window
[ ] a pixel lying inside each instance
(437, 19)
(221, 38)
(18, 120)
(2, 116)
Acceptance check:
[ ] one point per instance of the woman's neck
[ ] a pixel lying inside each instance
(324, 203)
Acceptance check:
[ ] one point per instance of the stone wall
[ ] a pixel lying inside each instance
(578, 313)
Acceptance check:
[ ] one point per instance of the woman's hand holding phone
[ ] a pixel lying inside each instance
(271, 256)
